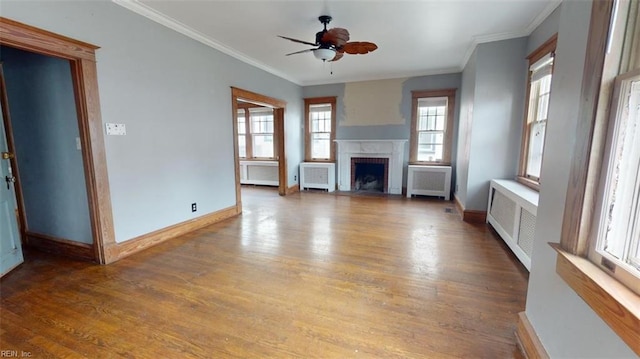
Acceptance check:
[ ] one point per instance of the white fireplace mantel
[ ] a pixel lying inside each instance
(390, 149)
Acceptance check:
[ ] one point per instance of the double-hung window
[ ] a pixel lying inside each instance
(320, 128)
(242, 134)
(539, 90)
(255, 133)
(432, 126)
(615, 241)
(598, 254)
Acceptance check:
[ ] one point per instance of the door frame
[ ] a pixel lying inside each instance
(82, 58)
(279, 107)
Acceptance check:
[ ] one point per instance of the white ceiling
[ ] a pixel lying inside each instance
(414, 37)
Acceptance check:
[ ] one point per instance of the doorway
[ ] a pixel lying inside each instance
(82, 62)
(48, 175)
(241, 97)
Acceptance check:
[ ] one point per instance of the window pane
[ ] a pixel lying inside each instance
(242, 128)
(430, 153)
(536, 148)
(431, 138)
(321, 124)
(624, 182)
(320, 145)
(263, 146)
(261, 120)
(430, 146)
(242, 146)
(543, 107)
(431, 118)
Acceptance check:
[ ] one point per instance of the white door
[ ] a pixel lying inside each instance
(10, 247)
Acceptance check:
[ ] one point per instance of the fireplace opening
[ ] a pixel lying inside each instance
(369, 174)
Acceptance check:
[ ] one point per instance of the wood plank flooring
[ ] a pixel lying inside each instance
(310, 275)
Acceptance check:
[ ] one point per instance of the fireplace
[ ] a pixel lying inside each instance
(369, 174)
(389, 153)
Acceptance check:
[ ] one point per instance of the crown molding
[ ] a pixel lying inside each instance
(542, 16)
(151, 14)
(539, 19)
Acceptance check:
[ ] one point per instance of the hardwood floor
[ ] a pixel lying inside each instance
(307, 275)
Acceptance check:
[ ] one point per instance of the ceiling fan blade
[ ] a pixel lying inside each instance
(298, 41)
(336, 36)
(359, 47)
(300, 52)
(337, 57)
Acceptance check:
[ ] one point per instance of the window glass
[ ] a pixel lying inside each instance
(320, 125)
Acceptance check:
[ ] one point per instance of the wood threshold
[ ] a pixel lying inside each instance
(616, 304)
(125, 249)
(527, 339)
(65, 247)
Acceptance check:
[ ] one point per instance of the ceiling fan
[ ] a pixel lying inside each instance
(332, 44)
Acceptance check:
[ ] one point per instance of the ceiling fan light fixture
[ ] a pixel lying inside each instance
(324, 54)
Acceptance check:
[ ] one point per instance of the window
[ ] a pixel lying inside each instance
(242, 134)
(320, 125)
(598, 250)
(614, 243)
(432, 126)
(538, 94)
(255, 133)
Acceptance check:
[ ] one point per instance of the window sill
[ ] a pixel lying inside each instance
(534, 185)
(257, 159)
(424, 163)
(616, 304)
(320, 161)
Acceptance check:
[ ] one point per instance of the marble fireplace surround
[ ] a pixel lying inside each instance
(390, 149)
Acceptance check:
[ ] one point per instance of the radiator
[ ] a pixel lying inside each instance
(512, 212)
(318, 175)
(429, 181)
(259, 172)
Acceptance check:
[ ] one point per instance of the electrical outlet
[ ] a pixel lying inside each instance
(194, 207)
(295, 178)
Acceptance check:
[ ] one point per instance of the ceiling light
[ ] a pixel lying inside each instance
(324, 54)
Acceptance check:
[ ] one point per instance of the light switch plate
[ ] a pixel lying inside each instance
(78, 144)
(116, 129)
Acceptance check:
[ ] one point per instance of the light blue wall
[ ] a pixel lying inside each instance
(566, 325)
(467, 96)
(173, 94)
(498, 110)
(45, 127)
(390, 132)
(544, 31)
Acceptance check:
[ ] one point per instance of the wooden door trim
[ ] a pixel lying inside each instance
(279, 107)
(278, 117)
(84, 73)
(6, 118)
